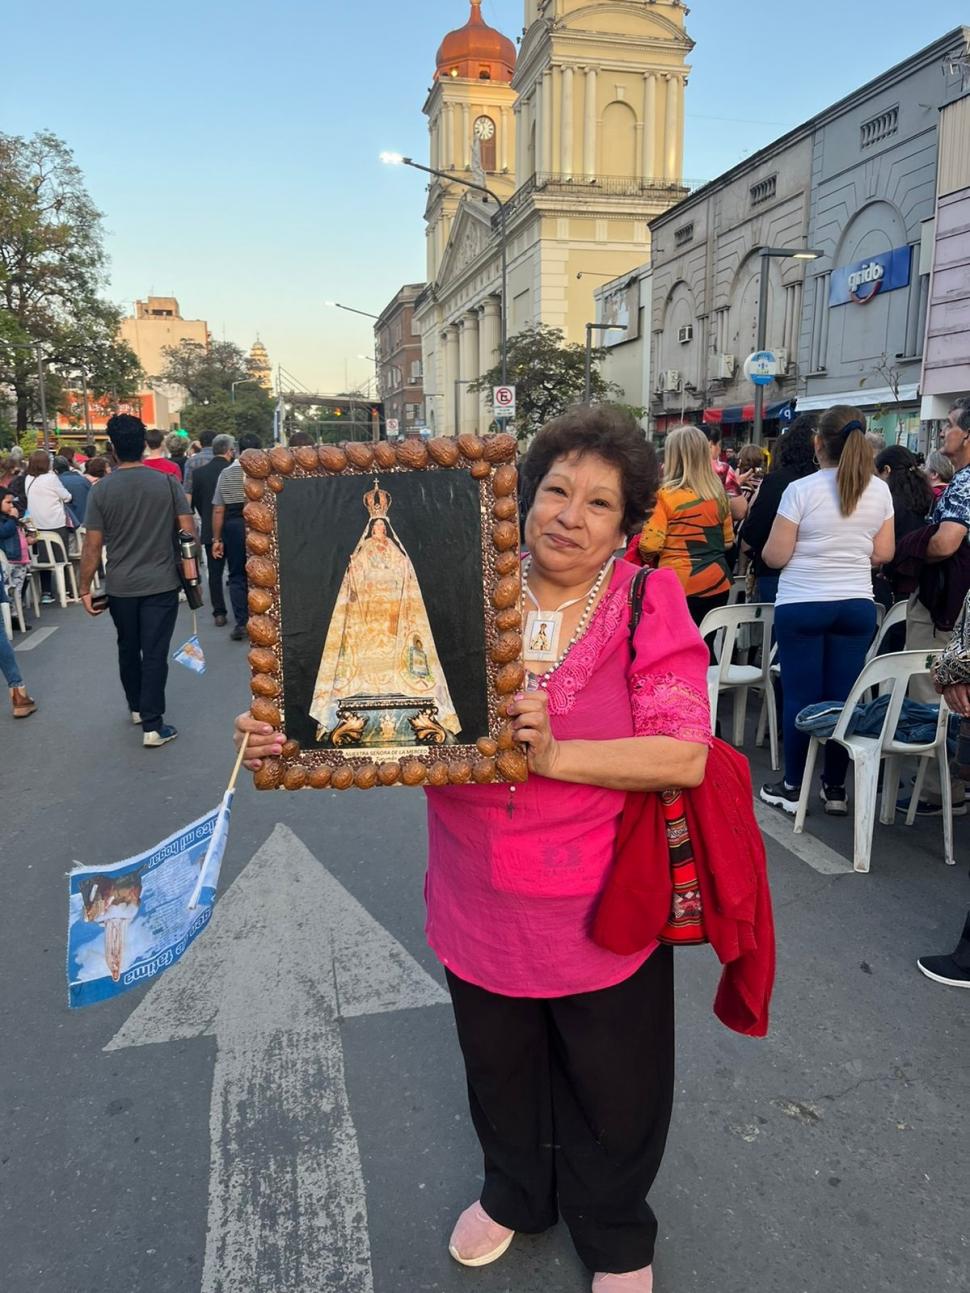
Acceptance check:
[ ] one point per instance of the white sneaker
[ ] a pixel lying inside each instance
(136, 718)
(151, 740)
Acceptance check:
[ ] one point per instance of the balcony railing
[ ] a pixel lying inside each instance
(627, 186)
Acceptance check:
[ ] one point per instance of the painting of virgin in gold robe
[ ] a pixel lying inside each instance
(380, 675)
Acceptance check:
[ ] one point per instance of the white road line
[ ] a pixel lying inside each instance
(805, 847)
(36, 637)
(290, 954)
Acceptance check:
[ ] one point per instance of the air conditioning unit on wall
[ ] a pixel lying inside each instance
(670, 380)
(782, 365)
(685, 333)
(724, 366)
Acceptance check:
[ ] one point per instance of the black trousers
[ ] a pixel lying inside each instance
(234, 542)
(571, 1099)
(216, 567)
(145, 626)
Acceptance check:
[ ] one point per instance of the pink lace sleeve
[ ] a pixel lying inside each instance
(668, 674)
(667, 706)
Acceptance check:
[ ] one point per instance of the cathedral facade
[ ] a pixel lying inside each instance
(580, 135)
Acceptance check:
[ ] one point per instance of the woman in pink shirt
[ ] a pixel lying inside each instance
(568, 1048)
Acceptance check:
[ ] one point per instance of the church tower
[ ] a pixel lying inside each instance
(600, 93)
(471, 122)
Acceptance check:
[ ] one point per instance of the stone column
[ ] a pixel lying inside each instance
(555, 143)
(489, 334)
(540, 110)
(506, 126)
(589, 126)
(465, 152)
(679, 130)
(469, 371)
(566, 146)
(548, 109)
(447, 151)
(450, 339)
(649, 126)
(672, 117)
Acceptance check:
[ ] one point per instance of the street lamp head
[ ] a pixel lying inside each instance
(792, 253)
(392, 159)
(807, 255)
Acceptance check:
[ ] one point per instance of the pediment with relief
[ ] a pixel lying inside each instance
(471, 235)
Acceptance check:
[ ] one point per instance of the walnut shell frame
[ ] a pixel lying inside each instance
(490, 461)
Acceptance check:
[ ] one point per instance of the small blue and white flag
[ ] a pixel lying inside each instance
(191, 655)
(128, 921)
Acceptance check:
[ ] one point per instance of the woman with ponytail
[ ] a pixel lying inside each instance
(832, 528)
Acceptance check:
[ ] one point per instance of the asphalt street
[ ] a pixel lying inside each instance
(829, 1157)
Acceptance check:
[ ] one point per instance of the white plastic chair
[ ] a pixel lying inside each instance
(895, 615)
(890, 674)
(56, 562)
(725, 622)
(739, 585)
(77, 548)
(15, 595)
(7, 622)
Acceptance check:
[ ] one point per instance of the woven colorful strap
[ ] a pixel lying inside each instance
(686, 922)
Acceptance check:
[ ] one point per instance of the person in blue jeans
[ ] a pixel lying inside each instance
(23, 706)
(832, 528)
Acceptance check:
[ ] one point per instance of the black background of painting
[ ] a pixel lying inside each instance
(436, 515)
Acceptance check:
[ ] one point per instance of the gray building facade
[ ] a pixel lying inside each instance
(856, 183)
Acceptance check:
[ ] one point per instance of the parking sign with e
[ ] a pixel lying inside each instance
(503, 400)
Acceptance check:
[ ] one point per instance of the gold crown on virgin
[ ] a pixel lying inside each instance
(377, 500)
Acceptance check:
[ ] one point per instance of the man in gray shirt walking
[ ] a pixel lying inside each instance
(134, 513)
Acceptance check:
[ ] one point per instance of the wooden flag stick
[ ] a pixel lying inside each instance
(239, 758)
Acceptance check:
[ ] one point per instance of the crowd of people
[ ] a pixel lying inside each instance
(65, 504)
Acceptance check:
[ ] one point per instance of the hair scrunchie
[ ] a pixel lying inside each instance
(854, 425)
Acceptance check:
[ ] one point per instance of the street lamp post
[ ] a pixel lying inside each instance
(590, 329)
(375, 422)
(243, 381)
(791, 253)
(395, 159)
(352, 309)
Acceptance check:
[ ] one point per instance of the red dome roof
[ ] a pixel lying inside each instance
(476, 51)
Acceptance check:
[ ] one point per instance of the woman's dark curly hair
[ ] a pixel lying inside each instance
(795, 450)
(910, 489)
(613, 435)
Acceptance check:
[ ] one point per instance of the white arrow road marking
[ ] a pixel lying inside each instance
(289, 953)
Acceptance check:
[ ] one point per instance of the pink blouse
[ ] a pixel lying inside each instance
(514, 876)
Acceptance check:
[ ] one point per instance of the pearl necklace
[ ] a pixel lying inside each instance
(534, 681)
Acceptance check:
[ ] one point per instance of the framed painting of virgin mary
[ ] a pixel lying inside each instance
(385, 618)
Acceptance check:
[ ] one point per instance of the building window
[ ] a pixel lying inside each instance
(684, 235)
(416, 373)
(764, 190)
(485, 74)
(411, 412)
(879, 127)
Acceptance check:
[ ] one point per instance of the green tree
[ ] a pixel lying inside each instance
(224, 396)
(52, 271)
(549, 375)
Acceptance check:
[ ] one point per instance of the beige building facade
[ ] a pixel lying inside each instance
(157, 323)
(582, 140)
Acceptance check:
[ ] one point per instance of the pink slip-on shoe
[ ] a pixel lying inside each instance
(640, 1281)
(476, 1239)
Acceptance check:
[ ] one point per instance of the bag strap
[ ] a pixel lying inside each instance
(637, 585)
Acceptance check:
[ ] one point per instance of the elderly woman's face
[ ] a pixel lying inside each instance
(576, 520)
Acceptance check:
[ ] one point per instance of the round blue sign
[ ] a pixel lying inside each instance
(761, 368)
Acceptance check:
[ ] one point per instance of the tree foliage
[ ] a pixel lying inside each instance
(549, 375)
(52, 271)
(224, 395)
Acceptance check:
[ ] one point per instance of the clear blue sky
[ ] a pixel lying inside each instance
(233, 148)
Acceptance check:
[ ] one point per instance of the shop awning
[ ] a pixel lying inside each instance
(860, 399)
(734, 414)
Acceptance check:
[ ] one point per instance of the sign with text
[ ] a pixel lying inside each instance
(863, 281)
(503, 400)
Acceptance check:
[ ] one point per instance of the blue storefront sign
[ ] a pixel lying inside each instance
(862, 282)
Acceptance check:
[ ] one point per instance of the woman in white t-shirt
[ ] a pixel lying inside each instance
(831, 529)
(46, 497)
